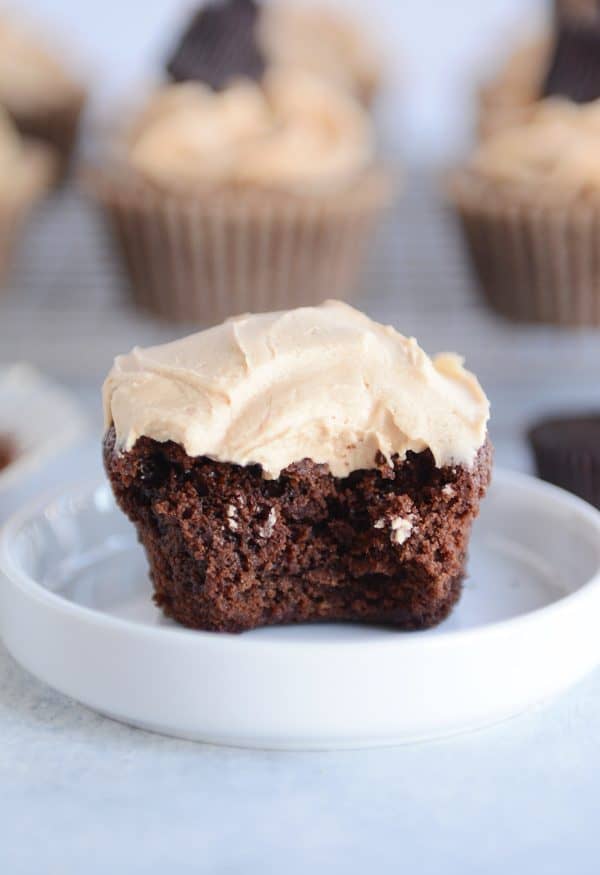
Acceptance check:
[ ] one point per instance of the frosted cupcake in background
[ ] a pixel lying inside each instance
(562, 62)
(27, 170)
(38, 91)
(510, 96)
(254, 197)
(529, 205)
(234, 38)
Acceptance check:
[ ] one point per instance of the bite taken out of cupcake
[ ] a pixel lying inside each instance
(298, 466)
(528, 201)
(256, 197)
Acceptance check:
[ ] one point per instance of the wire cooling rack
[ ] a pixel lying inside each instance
(67, 310)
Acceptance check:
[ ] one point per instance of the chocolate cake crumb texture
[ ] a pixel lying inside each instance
(219, 44)
(230, 550)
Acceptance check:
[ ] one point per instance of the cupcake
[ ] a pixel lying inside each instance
(567, 453)
(298, 466)
(27, 170)
(562, 63)
(529, 206)
(235, 38)
(37, 90)
(251, 198)
(511, 95)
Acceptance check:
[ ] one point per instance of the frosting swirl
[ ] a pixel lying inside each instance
(556, 151)
(319, 41)
(30, 75)
(293, 132)
(325, 383)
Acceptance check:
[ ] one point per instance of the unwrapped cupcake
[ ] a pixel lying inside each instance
(27, 170)
(43, 97)
(299, 466)
(529, 205)
(229, 39)
(254, 197)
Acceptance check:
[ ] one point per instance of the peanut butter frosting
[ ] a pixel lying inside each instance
(325, 383)
(293, 132)
(511, 95)
(30, 75)
(556, 151)
(320, 41)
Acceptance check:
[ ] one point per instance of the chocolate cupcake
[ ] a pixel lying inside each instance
(252, 198)
(529, 206)
(567, 453)
(229, 39)
(41, 95)
(298, 466)
(27, 171)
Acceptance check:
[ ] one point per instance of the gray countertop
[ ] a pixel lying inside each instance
(79, 793)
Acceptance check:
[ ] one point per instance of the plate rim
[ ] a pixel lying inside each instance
(15, 576)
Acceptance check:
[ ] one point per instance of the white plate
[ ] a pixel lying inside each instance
(75, 610)
(40, 417)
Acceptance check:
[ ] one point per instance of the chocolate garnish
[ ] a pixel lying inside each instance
(219, 44)
(574, 70)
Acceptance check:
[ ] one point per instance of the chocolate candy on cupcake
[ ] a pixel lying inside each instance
(229, 39)
(219, 45)
(298, 466)
(567, 453)
(574, 69)
(562, 62)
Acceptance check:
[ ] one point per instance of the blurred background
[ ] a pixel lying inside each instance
(65, 309)
(435, 53)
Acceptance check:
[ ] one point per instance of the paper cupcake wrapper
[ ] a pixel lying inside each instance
(571, 469)
(201, 260)
(57, 126)
(533, 263)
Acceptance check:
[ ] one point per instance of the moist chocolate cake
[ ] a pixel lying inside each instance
(371, 523)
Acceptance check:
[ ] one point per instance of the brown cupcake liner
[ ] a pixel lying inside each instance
(572, 468)
(206, 258)
(534, 262)
(56, 125)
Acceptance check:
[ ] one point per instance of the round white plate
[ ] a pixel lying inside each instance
(76, 611)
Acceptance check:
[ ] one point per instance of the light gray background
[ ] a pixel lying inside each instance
(81, 794)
